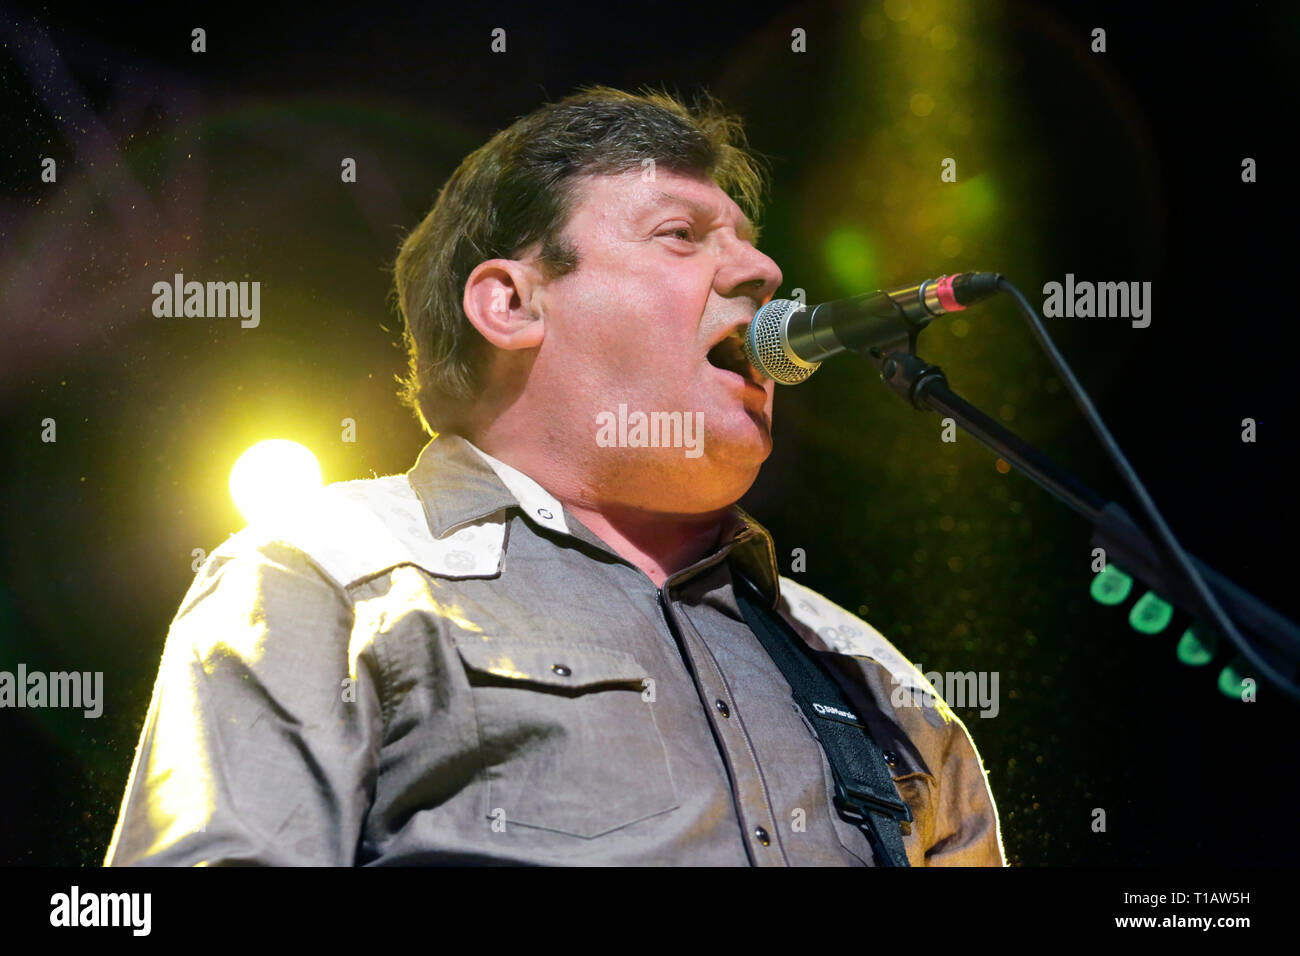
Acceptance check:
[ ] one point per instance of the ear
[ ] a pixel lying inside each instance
(498, 300)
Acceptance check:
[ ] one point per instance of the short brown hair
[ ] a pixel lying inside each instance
(518, 190)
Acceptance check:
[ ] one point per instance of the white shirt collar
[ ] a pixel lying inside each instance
(540, 505)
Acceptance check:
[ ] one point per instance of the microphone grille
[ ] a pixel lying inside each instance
(767, 348)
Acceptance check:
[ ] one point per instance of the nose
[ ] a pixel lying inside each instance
(748, 272)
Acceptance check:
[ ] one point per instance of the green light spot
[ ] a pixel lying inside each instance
(977, 200)
(1111, 586)
(851, 258)
(1151, 614)
(1231, 680)
(1197, 646)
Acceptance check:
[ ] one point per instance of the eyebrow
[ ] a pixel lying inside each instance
(747, 228)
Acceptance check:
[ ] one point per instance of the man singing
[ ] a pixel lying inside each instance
(534, 647)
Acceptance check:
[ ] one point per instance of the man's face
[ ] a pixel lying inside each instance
(667, 271)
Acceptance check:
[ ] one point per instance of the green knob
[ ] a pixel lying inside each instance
(1151, 614)
(1231, 679)
(1197, 646)
(1111, 586)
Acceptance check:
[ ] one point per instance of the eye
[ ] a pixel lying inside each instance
(684, 232)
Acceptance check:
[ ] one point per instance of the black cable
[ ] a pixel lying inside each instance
(1174, 549)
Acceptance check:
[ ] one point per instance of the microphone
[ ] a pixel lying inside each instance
(787, 341)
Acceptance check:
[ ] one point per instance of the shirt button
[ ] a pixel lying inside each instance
(891, 758)
(762, 836)
(722, 708)
(561, 670)
(545, 514)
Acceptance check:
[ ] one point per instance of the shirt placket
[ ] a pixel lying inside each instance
(749, 792)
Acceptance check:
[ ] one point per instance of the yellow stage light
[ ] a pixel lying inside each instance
(272, 476)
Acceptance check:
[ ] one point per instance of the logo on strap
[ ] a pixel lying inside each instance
(836, 713)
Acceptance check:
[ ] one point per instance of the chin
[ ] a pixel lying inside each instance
(743, 447)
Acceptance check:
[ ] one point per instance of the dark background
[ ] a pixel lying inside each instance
(1115, 166)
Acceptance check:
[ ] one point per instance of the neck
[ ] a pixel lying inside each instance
(659, 542)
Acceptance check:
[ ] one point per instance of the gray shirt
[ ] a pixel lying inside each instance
(446, 667)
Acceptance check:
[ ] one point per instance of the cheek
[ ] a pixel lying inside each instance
(620, 323)
(587, 323)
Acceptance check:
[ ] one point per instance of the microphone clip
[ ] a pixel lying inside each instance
(906, 373)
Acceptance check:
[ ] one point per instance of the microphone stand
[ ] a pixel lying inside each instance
(925, 388)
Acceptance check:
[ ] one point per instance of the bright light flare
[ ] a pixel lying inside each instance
(271, 476)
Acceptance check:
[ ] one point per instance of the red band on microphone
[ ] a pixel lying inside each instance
(943, 289)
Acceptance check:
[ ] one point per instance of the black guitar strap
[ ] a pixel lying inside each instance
(865, 792)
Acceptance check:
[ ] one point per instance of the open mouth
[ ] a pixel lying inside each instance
(729, 355)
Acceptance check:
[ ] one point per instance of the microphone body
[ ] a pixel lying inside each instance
(788, 342)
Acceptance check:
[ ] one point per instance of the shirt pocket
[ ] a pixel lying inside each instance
(567, 740)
